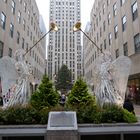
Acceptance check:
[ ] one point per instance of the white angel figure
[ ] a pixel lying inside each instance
(8, 75)
(111, 79)
(19, 89)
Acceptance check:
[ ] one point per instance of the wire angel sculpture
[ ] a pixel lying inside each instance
(110, 79)
(15, 74)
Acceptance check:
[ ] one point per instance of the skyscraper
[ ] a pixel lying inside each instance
(65, 45)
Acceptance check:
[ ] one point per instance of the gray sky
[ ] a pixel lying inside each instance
(86, 6)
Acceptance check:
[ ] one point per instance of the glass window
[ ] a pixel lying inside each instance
(13, 7)
(10, 52)
(20, 1)
(135, 10)
(99, 16)
(116, 31)
(103, 8)
(11, 30)
(125, 49)
(3, 20)
(27, 30)
(105, 44)
(114, 9)
(28, 14)
(123, 23)
(27, 47)
(100, 32)
(109, 19)
(19, 17)
(101, 47)
(24, 24)
(23, 42)
(25, 6)
(122, 2)
(5, 1)
(117, 53)
(110, 38)
(137, 42)
(104, 26)
(108, 2)
(1, 49)
(18, 37)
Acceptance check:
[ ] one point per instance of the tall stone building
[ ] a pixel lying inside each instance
(65, 45)
(19, 29)
(115, 26)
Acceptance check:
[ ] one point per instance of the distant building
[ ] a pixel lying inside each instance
(115, 26)
(20, 29)
(65, 45)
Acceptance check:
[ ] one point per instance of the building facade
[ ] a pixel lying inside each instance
(115, 26)
(65, 45)
(19, 29)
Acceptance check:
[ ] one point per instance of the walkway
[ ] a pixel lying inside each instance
(137, 111)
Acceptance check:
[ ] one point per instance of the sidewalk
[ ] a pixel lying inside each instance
(137, 111)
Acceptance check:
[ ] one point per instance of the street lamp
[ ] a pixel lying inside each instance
(77, 27)
(53, 27)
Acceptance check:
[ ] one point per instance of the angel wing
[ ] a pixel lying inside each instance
(121, 69)
(8, 73)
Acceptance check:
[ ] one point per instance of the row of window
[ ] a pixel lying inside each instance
(125, 49)
(10, 54)
(3, 25)
(30, 18)
(1, 50)
(134, 9)
(125, 46)
(124, 22)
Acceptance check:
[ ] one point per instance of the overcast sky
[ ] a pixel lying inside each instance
(86, 6)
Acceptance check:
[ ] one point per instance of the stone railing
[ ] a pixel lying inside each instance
(64, 127)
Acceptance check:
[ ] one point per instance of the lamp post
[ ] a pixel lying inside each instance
(77, 27)
(53, 27)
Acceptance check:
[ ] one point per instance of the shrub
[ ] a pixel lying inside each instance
(87, 114)
(111, 114)
(81, 101)
(45, 96)
(21, 115)
(80, 95)
(129, 117)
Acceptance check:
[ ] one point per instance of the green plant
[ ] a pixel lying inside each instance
(63, 79)
(87, 114)
(111, 114)
(129, 117)
(45, 96)
(80, 95)
(19, 115)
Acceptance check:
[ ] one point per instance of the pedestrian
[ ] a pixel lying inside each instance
(128, 105)
(1, 101)
(63, 100)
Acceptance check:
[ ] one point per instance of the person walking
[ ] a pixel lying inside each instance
(128, 105)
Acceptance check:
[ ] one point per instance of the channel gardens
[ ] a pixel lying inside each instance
(80, 115)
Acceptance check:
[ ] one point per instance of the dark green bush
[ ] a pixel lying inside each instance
(23, 115)
(85, 114)
(111, 114)
(45, 95)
